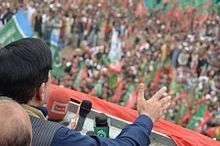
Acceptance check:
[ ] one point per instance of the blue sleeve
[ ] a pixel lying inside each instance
(136, 134)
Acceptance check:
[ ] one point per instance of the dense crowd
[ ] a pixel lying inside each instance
(108, 49)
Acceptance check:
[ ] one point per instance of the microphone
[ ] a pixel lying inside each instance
(101, 125)
(85, 108)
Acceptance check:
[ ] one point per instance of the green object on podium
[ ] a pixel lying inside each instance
(102, 131)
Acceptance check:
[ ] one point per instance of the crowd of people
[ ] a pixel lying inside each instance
(108, 49)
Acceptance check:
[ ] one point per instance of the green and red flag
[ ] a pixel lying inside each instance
(57, 71)
(132, 100)
(82, 74)
(186, 117)
(151, 74)
(175, 88)
(130, 92)
(97, 91)
(118, 92)
(181, 113)
(207, 116)
(113, 79)
(156, 80)
(196, 119)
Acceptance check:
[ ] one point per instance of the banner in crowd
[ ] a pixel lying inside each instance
(17, 28)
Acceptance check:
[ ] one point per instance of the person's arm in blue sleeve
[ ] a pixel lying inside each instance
(136, 134)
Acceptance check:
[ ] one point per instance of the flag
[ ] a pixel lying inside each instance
(115, 52)
(98, 88)
(82, 72)
(151, 74)
(194, 122)
(175, 88)
(207, 116)
(132, 100)
(156, 79)
(128, 94)
(57, 69)
(170, 73)
(17, 28)
(118, 92)
(113, 81)
(180, 113)
(186, 117)
(143, 68)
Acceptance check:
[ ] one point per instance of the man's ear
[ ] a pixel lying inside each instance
(41, 93)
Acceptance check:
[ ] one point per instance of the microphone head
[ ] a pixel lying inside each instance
(85, 108)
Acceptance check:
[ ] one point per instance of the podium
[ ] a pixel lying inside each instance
(116, 125)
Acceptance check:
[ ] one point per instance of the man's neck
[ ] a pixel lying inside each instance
(35, 104)
(33, 111)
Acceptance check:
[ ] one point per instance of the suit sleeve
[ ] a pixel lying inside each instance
(136, 134)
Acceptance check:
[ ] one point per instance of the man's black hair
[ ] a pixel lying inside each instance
(24, 66)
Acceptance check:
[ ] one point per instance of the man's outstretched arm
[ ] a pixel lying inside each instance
(136, 134)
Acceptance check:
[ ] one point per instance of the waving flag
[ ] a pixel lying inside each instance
(82, 73)
(156, 79)
(207, 116)
(17, 28)
(57, 71)
(181, 112)
(151, 74)
(97, 91)
(129, 93)
(194, 122)
(118, 92)
(132, 100)
(113, 81)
